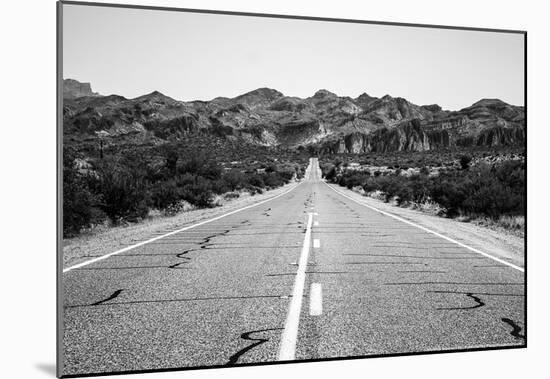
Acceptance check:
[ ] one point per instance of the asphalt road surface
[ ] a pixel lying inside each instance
(309, 274)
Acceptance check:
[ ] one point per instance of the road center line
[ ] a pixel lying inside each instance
(315, 300)
(287, 348)
(428, 230)
(85, 263)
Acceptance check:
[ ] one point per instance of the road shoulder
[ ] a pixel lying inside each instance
(500, 244)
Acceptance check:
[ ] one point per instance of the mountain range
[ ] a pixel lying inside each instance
(325, 121)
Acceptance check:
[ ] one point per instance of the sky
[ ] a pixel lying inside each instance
(192, 56)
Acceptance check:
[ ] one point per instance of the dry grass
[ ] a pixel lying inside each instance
(430, 207)
(510, 224)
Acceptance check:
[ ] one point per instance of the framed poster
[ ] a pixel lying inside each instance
(245, 189)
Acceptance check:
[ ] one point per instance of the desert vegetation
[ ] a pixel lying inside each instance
(124, 185)
(466, 185)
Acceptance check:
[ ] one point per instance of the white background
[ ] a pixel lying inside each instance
(27, 149)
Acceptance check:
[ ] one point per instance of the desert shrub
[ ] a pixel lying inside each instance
(231, 195)
(392, 186)
(271, 168)
(300, 172)
(420, 188)
(464, 161)
(165, 195)
(200, 165)
(235, 179)
(80, 204)
(210, 170)
(370, 185)
(124, 192)
(273, 179)
(256, 181)
(171, 156)
(220, 186)
(329, 172)
(198, 193)
(350, 179)
(488, 190)
(449, 193)
(255, 190)
(286, 174)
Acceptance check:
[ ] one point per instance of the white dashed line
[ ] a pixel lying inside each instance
(316, 243)
(287, 349)
(315, 300)
(316, 223)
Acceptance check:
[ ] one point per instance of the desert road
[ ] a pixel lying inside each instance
(307, 274)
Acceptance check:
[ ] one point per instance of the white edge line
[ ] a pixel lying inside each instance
(429, 230)
(287, 348)
(316, 300)
(85, 263)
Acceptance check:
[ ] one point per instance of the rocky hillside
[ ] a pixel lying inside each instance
(324, 122)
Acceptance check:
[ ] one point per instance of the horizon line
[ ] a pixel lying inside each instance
(285, 95)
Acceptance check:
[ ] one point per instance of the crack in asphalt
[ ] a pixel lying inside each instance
(481, 293)
(472, 295)
(102, 303)
(113, 295)
(312, 272)
(283, 274)
(179, 255)
(176, 265)
(479, 303)
(516, 329)
(225, 247)
(247, 336)
(386, 263)
(203, 245)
